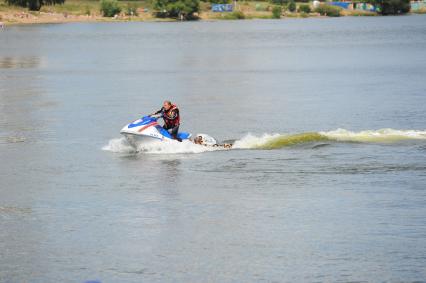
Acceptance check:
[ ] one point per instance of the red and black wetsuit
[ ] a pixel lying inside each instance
(171, 119)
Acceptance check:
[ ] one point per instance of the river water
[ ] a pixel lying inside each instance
(326, 181)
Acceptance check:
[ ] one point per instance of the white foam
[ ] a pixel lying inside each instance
(161, 147)
(252, 141)
(119, 145)
(382, 135)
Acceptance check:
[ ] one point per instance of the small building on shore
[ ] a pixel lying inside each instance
(418, 5)
(415, 5)
(354, 6)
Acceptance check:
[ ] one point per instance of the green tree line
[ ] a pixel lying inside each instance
(33, 5)
(188, 9)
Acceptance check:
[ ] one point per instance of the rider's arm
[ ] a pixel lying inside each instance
(158, 112)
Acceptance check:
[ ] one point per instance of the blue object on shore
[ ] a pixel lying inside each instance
(354, 6)
(222, 7)
(344, 5)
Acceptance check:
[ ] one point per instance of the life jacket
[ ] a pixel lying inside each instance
(169, 119)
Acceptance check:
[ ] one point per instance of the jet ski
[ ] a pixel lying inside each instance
(147, 130)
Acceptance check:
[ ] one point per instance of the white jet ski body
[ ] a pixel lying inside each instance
(147, 130)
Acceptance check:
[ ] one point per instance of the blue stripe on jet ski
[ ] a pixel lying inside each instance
(144, 121)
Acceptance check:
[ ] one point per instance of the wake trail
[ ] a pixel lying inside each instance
(273, 141)
(276, 141)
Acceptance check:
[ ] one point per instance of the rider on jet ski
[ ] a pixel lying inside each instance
(170, 114)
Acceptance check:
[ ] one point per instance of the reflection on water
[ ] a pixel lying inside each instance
(22, 99)
(13, 210)
(19, 62)
(11, 139)
(171, 168)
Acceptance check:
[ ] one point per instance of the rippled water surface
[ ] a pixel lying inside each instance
(326, 181)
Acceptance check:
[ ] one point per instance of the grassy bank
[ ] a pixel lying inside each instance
(420, 11)
(73, 11)
(89, 11)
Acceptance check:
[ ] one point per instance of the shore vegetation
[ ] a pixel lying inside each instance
(178, 9)
(276, 12)
(236, 15)
(110, 8)
(328, 10)
(59, 11)
(291, 6)
(304, 8)
(33, 5)
(392, 7)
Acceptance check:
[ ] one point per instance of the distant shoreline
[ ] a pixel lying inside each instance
(84, 11)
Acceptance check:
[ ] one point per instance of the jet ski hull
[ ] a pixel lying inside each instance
(139, 140)
(146, 131)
